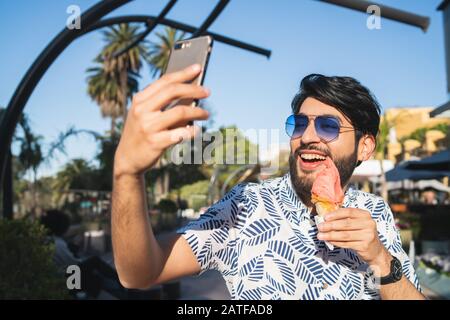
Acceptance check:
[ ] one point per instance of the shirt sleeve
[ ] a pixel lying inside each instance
(212, 237)
(63, 257)
(390, 237)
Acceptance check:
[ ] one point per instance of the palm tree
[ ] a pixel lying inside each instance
(76, 169)
(103, 88)
(105, 155)
(30, 154)
(159, 52)
(114, 80)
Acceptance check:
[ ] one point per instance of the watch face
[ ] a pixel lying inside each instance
(397, 271)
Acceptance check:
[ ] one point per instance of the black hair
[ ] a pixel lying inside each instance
(347, 95)
(56, 221)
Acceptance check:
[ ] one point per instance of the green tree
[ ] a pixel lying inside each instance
(105, 158)
(27, 269)
(420, 133)
(30, 154)
(229, 155)
(76, 174)
(100, 177)
(114, 80)
(103, 88)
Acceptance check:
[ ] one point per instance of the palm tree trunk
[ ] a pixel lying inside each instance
(166, 178)
(113, 126)
(124, 89)
(159, 187)
(384, 191)
(34, 195)
(166, 174)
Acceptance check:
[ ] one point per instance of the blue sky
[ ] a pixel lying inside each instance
(401, 65)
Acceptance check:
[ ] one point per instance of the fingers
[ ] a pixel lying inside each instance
(344, 213)
(168, 138)
(178, 116)
(347, 244)
(181, 76)
(343, 236)
(345, 224)
(173, 92)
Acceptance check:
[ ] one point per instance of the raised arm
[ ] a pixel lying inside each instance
(139, 258)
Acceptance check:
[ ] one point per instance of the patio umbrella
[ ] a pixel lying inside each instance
(437, 162)
(418, 185)
(401, 173)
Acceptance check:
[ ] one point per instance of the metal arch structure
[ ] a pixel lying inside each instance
(27, 85)
(91, 20)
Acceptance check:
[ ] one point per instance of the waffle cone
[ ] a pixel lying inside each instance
(323, 206)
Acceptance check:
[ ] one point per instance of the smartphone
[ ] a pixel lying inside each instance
(185, 53)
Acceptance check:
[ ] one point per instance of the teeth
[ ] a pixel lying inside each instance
(309, 156)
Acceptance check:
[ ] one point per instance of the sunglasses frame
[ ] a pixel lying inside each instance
(313, 118)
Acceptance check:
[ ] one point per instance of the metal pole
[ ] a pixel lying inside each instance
(386, 12)
(211, 18)
(179, 26)
(149, 29)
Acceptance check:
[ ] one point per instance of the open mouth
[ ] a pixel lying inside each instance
(310, 161)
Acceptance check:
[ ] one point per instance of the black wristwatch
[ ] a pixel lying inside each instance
(395, 274)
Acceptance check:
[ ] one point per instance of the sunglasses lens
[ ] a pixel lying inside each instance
(327, 128)
(296, 126)
(290, 128)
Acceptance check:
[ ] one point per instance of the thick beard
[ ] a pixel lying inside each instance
(302, 187)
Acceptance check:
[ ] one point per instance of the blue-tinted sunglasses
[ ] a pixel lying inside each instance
(327, 127)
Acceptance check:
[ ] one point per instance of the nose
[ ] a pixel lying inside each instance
(310, 134)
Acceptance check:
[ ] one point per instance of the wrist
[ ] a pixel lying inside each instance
(122, 168)
(120, 171)
(381, 264)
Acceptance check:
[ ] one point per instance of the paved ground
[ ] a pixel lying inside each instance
(208, 286)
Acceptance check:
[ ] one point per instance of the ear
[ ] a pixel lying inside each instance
(366, 147)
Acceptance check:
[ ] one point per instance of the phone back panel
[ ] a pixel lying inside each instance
(186, 53)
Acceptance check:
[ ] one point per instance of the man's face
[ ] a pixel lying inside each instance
(342, 150)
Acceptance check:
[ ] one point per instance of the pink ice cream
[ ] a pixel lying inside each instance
(327, 186)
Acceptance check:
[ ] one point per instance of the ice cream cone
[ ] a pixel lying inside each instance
(323, 206)
(326, 193)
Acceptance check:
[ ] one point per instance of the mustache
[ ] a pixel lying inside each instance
(312, 147)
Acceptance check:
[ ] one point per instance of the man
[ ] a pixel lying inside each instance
(262, 237)
(97, 274)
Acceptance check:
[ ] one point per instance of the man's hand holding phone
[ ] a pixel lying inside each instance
(149, 131)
